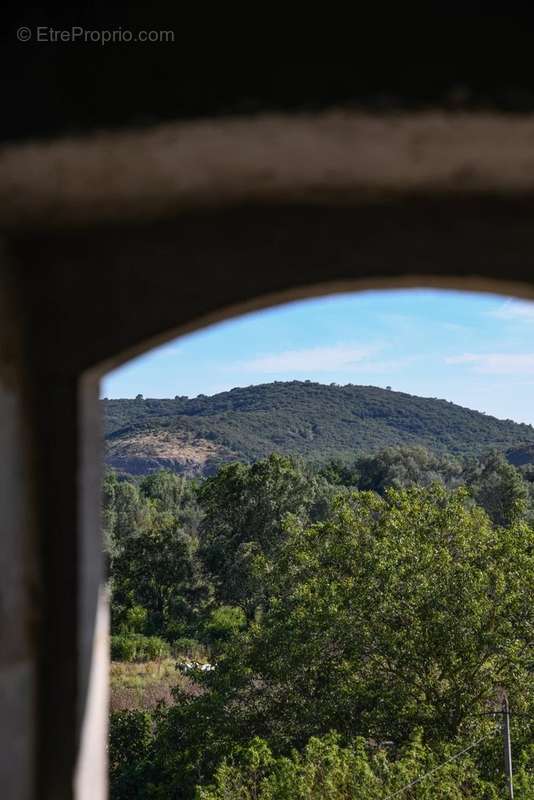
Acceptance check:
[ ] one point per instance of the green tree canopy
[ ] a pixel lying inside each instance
(244, 510)
(498, 487)
(160, 571)
(399, 612)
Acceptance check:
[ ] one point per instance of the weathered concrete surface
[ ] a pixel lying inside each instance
(119, 242)
(333, 158)
(19, 600)
(131, 287)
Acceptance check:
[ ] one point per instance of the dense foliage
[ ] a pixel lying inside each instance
(327, 769)
(299, 418)
(244, 510)
(362, 619)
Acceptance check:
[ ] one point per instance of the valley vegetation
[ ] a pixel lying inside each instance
(361, 619)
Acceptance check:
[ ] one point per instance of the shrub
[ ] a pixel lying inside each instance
(122, 648)
(136, 647)
(224, 623)
(135, 618)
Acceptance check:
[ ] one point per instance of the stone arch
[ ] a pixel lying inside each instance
(115, 243)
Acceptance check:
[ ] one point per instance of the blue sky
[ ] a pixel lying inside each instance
(476, 350)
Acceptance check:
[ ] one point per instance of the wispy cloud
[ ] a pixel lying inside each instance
(312, 359)
(514, 311)
(496, 363)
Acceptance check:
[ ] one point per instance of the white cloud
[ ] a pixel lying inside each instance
(514, 311)
(497, 363)
(312, 359)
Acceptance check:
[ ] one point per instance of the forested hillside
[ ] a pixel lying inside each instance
(312, 420)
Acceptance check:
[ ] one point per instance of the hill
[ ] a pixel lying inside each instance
(312, 420)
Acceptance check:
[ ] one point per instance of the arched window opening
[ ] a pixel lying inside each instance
(318, 520)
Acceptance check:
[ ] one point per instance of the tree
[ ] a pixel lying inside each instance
(399, 612)
(175, 494)
(401, 467)
(244, 509)
(131, 737)
(165, 488)
(160, 572)
(498, 487)
(123, 512)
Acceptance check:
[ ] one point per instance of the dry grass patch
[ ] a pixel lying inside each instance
(146, 684)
